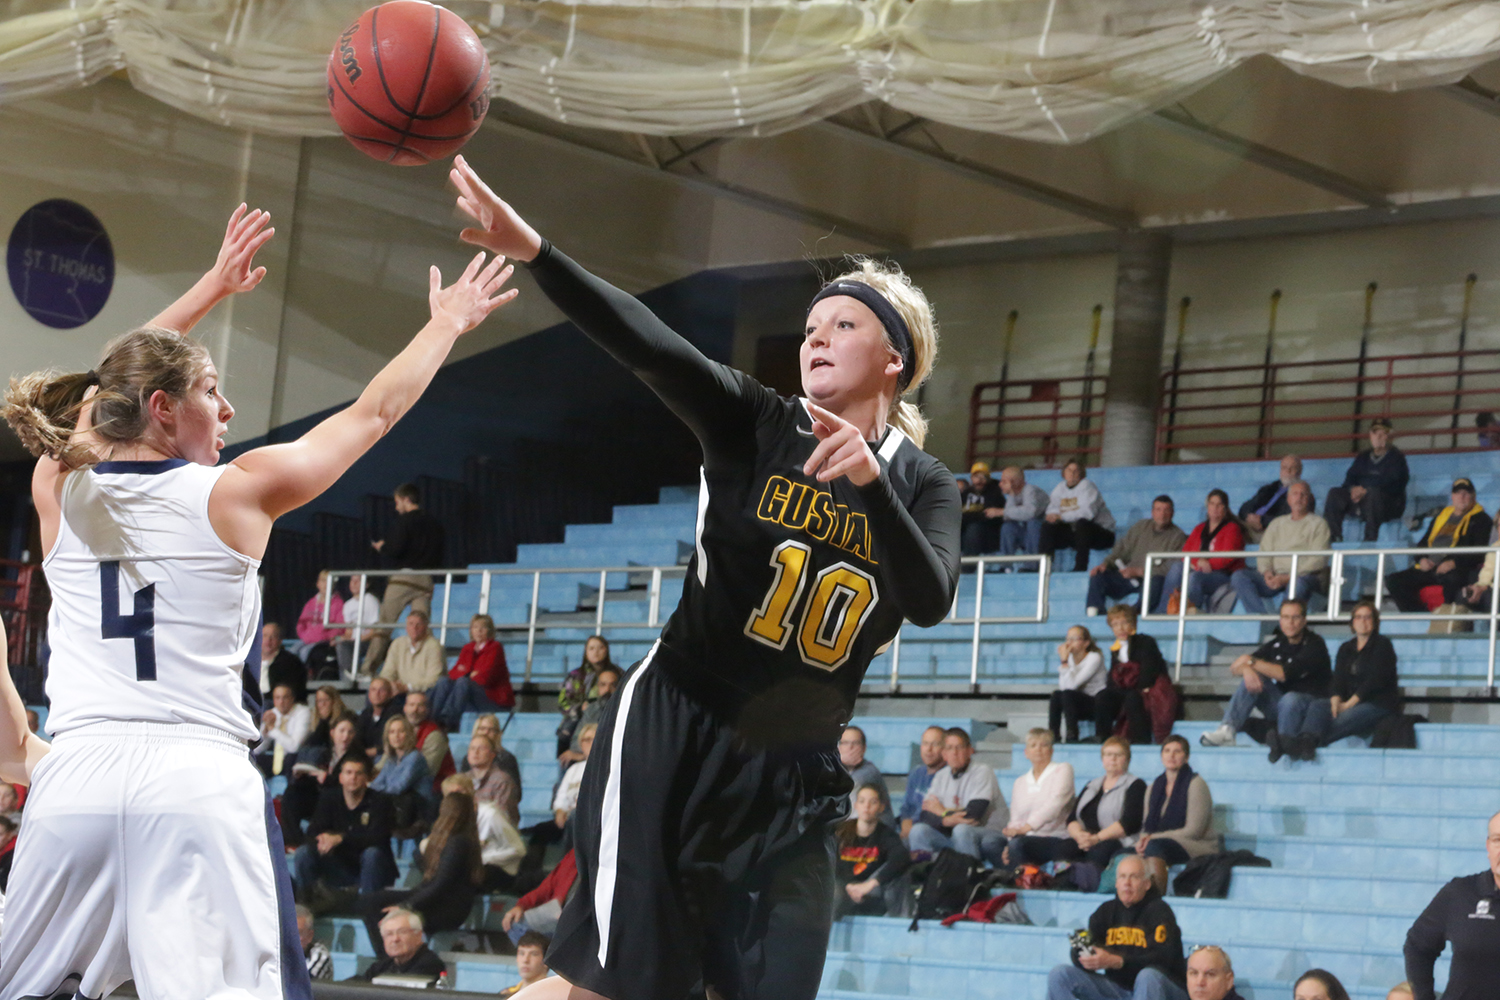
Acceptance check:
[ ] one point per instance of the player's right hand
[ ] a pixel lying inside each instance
(500, 230)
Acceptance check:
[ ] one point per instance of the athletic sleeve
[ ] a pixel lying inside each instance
(918, 549)
(719, 404)
(1424, 943)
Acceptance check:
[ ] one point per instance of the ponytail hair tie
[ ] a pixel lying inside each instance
(91, 377)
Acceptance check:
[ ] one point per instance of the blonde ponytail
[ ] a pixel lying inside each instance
(43, 407)
(887, 278)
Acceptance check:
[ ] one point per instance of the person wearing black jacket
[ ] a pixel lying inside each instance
(1366, 688)
(1283, 678)
(1466, 914)
(1374, 488)
(280, 667)
(1134, 941)
(1270, 501)
(983, 507)
(868, 858)
(416, 542)
(349, 835)
(1460, 525)
(402, 949)
(452, 871)
(1135, 665)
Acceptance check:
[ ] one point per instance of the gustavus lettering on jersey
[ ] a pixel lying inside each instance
(807, 509)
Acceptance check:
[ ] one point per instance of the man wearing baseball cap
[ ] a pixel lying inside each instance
(983, 506)
(1374, 488)
(1463, 523)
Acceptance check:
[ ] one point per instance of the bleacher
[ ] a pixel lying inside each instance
(1359, 841)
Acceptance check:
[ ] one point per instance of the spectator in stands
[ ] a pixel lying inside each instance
(578, 688)
(431, 739)
(417, 663)
(1299, 530)
(1135, 944)
(404, 947)
(1366, 688)
(1179, 815)
(314, 952)
(1319, 984)
(1120, 574)
(416, 542)
(566, 799)
(1041, 799)
(1106, 817)
(487, 726)
(1025, 513)
(328, 709)
(964, 808)
(539, 909)
(452, 871)
(1077, 518)
(1489, 430)
(1209, 974)
(7, 850)
(403, 774)
(1283, 678)
(1080, 678)
(1271, 500)
(1132, 692)
(283, 728)
(531, 962)
(1462, 915)
(852, 747)
(380, 704)
(500, 845)
(606, 683)
(1401, 991)
(478, 682)
(869, 858)
(1462, 524)
(1374, 488)
(1477, 595)
(983, 508)
(495, 782)
(1219, 533)
(930, 750)
(310, 777)
(318, 640)
(361, 609)
(350, 835)
(10, 799)
(278, 666)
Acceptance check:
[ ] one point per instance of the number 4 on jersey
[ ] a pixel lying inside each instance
(140, 626)
(842, 599)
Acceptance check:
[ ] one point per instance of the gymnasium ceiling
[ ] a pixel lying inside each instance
(947, 126)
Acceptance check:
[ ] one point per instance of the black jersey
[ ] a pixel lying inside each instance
(794, 585)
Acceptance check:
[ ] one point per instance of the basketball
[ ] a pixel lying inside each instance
(408, 82)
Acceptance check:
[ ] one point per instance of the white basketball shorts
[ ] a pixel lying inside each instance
(149, 852)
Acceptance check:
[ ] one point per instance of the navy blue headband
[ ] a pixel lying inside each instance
(888, 316)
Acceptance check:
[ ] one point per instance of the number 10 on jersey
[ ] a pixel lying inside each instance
(841, 600)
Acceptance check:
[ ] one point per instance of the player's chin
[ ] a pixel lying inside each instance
(820, 385)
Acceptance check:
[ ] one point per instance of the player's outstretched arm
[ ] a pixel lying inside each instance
(263, 484)
(234, 271)
(20, 748)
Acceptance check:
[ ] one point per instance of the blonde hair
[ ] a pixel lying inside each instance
(887, 278)
(1040, 735)
(43, 407)
(458, 784)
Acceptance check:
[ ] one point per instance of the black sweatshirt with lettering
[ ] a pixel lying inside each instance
(1144, 935)
(795, 585)
(1465, 913)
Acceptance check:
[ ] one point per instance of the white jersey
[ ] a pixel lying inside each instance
(154, 618)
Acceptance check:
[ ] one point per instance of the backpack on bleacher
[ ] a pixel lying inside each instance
(949, 886)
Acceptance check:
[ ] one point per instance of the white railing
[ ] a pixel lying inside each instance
(1337, 560)
(443, 592)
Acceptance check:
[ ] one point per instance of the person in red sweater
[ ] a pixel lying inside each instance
(478, 682)
(1220, 533)
(539, 909)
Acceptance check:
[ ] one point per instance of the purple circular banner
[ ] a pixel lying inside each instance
(61, 263)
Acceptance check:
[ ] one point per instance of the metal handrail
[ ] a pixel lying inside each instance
(654, 617)
(1334, 613)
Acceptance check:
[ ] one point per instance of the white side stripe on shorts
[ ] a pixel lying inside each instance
(607, 870)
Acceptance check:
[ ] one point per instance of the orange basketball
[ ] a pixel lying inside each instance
(408, 82)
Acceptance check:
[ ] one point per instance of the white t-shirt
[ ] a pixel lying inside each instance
(567, 792)
(1086, 675)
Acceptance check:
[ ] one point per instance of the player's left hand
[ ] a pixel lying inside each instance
(841, 451)
(234, 270)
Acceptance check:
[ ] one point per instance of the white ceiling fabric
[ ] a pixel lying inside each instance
(1059, 71)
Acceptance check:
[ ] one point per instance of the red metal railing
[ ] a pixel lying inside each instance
(1036, 423)
(20, 610)
(1323, 408)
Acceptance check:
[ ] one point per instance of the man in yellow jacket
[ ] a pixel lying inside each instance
(1461, 524)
